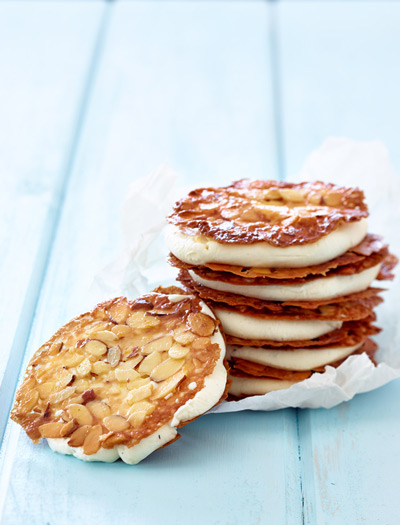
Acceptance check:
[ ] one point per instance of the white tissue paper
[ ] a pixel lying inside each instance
(142, 265)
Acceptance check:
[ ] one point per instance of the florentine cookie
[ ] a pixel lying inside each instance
(118, 381)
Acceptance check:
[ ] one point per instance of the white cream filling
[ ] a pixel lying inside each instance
(243, 386)
(320, 288)
(199, 250)
(299, 359)
(214, 386)
(248, 327)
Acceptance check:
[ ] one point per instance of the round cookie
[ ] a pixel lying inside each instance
(118, 381)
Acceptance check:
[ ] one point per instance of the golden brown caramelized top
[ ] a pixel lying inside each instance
(280, 213)
(118, 373)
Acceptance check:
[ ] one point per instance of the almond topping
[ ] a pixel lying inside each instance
(167, 386)
(45, 389)
(142, 406)
(333, 199)
(92, 441)
(131, 363)
(140, 393)
(84, 368)
(122, 330)
(115, 423)
(106, 336)
(126, 375)
(136, 419)
(119, 312)
(291, 195)
(184, 338)
(114, 356)
(78, 437)
(178, 351)
(81, 414)
(96, 348)
(100, 367)
(201, 324)
(162, 344)
(137, 383)
(30, 400)
(149, 363)
(61, 396)
(51, 430)
(68, 428)
(139, 320)
(99, 409)
(166, 369)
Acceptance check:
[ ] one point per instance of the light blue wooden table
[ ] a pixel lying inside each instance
(95, 94)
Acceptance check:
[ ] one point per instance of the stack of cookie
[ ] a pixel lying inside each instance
(287, 269)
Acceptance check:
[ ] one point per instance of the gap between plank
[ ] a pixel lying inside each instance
(29, 308)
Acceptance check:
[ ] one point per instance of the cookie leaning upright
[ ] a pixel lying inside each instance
(287, 269)
(118, 381)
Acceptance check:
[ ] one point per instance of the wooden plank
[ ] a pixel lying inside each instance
(339, 74)
(339, 71)
(45, 52)
(188, 82)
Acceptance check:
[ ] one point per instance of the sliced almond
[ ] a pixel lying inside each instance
(30, 400)
(114, 356)
(51, 430)
(314, 198)
(200, 343)
(99, 409)
(81, 414)
(142, 406)
(106, 336)
(168, 386)
(100, 367)
(68, 428)
(63, 379)
(92, 441)
(139, 320)
(291, 195)
(136, 419)
(63, 395)
(119, 312)
(162, 344)
(333, 198)
(178, 351)
(201, 324)
(45, 389)
(96, 348)
(271, 194)
(121, 330)
(126, 375)
(77, 438)
(140, 393)
(150, 362)
(131, 363)
(84, 368)
(166, 369)
(184, 338)
(115, 423)
(138, 383)
(73, 360)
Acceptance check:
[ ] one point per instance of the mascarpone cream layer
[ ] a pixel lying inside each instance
(199, 250)
(320, 288)
(248, 327)
(211, 393)
(300, 359)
